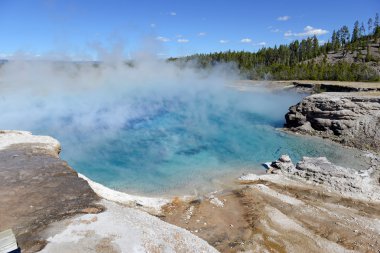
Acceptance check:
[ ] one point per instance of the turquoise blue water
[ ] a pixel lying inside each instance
(154, 128)
(178, 145)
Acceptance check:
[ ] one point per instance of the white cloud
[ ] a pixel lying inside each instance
(202, 34)
(283, 18)
(223, 41)
(182, 40)
(173, 13)
(307, 31)
(275, 30)
(262, 44)
(153, 25)
(162, 39)
(246, 40)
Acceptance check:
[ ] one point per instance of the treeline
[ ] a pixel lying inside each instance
(299, 59)
(359, 39)
(341, 71)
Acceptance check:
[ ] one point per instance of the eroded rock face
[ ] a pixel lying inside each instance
(313, 206)
(352, 119)
(37, 188)
(321, 171)
(318, 170)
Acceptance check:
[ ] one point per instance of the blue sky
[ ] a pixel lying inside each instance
(168, 27)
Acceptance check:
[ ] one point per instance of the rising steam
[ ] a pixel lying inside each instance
(144, 121)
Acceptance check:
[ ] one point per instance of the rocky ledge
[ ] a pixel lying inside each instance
(37, 188)
(363, 184)
(311, 206)
(352, 119)
(49, 207)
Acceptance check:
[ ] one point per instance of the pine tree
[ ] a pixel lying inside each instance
(362, 30)
(335, 41)
(355, 32)
(315, 46)
(324, 59)
(344, 35)
(376, 33)
(339, 37)
(350, 48)
(368, 56)
(308, 49)
(370, 24)
(376, 23)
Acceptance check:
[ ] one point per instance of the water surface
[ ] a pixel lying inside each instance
(180, 146)
(154, 128)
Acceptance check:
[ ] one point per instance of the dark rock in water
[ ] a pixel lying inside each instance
(37, 188)
(348, 118)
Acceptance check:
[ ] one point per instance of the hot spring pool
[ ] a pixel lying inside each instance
(180, 146)
(154, 128)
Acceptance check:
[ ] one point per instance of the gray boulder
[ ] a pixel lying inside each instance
(319, 171)
(352, 119)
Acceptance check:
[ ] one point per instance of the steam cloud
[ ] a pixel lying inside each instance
(64, 95)
(88, 106)
(67, 96)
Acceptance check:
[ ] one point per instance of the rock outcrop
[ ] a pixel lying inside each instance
(352, 119)
(37, 188)
(363, 184)
(47, 205)
(313, 206)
